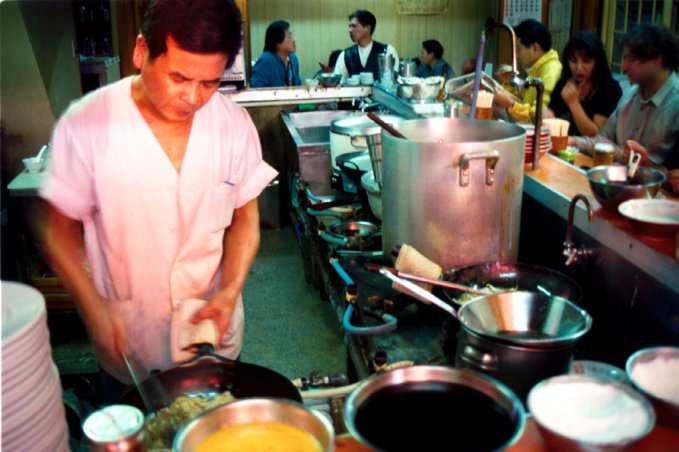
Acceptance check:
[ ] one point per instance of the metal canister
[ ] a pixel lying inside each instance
(604, 154)
(116, 428)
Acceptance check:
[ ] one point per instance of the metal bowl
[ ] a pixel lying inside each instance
(610, 187)
(255, 410)
(579, 413)
(329, 80)
(512, 275)
(434, 408)
(598, 369)
(529, 319)
(422, 92)
(666, 410)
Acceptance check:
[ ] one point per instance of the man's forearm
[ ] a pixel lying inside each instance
(63, 239)
(241, 242)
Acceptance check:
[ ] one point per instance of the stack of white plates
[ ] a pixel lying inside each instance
(33, 416)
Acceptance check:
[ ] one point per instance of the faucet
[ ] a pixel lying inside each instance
(572, 253)
(540, 87)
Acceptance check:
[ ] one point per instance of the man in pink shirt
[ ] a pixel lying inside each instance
(152, 192)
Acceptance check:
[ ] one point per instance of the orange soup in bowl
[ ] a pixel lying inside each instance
(269, 436)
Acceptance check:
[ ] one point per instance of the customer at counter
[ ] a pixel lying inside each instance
(152, 193)
(535, 54)
(648, 112)
(362, 56)
(277, 66)
(432, 62)
(586, 94)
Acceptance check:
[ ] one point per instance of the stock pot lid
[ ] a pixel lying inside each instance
(361, 125)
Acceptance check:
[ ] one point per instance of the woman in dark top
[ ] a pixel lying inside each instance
(586, 94)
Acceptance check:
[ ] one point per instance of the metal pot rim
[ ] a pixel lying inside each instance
(536, 342)
(486, 385)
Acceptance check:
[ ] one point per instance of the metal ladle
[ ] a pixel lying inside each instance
(421, 294)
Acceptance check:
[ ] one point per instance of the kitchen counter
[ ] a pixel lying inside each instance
(556, 182)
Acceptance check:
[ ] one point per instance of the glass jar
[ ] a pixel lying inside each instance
(604, 154)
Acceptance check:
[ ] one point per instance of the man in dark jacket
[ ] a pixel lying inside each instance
(362, 56)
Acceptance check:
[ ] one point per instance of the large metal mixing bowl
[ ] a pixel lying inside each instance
(529, 319)
(423, 91)
(611, 188)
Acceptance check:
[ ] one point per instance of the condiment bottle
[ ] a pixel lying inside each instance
(604, 154)
(116, 428)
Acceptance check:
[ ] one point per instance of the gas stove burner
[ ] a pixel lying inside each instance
(354, 235)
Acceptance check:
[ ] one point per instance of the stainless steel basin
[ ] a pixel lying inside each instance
(310, 133)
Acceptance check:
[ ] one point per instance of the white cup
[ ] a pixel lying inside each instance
(367, 78)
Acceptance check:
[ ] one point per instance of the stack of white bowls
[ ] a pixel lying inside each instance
(33, 416)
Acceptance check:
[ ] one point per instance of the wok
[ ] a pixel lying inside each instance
(210, 374)
(510, 275)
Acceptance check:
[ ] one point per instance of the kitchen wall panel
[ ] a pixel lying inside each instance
(320, 26)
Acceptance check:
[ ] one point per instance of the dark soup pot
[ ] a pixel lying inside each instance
(434, 408)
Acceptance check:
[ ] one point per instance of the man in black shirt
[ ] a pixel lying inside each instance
(362, 56)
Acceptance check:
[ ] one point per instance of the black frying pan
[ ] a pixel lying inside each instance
(210, 374)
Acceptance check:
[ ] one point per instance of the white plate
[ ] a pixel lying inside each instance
(22, 307)
(30, 341)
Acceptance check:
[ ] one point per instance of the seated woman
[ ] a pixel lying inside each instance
(586, 94)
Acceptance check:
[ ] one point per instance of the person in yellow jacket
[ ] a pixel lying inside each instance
(535, 54)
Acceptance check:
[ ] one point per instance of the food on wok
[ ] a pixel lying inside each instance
(162, 426)
(488, 288)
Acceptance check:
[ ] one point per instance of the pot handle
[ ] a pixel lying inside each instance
(479, 359)
(491, 157)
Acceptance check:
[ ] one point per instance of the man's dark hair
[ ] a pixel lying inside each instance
(198, 26)
(588, 44)
(275, 34)
(433, 46)
(531, 31)
(648, 41)
(365, 18)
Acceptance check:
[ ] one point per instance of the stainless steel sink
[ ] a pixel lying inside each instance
(310, 133)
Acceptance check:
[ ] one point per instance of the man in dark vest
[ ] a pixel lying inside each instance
(362, 56)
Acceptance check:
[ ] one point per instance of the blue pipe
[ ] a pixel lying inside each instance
(342, 274)
(390, 324)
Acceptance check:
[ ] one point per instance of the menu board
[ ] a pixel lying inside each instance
(516, 11)
(421, 7)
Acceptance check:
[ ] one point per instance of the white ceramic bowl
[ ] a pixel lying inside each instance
(312, 82)
(32, 164)
(652, 371)
(580, 413)
(652, 217)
